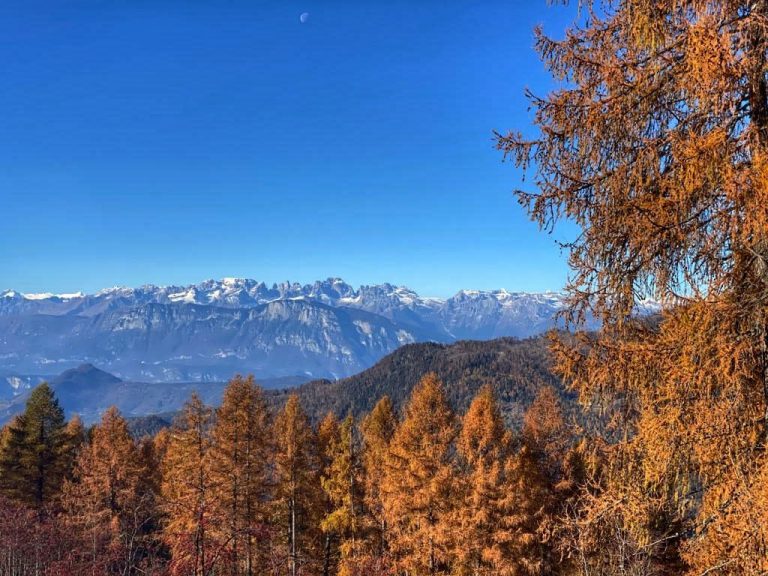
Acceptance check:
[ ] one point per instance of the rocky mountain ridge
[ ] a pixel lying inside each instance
(210, 330)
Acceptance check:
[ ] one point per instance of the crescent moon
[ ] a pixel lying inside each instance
(304, 17)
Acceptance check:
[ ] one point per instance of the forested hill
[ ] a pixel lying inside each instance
(517, 370)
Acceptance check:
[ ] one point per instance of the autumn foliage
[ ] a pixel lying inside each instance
(655, 144)
(243, 490)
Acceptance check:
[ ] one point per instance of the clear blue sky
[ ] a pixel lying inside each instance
(172, 141)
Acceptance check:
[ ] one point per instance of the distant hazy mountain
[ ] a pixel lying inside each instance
(89, 391)
(208, 331)
(517, 370)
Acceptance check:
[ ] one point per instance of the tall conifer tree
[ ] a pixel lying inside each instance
(655, 144)
(33, 461)
(481, 543)
(418, 485)
(343, 485)
(13, 481)
(110, 501)
(187, 489)
(239, 461)
(327, 437)
(298, 498)
(377, 429)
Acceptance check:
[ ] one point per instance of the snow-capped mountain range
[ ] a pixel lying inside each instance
(210, 330)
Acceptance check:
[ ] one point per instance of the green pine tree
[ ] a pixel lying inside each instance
(33, 450)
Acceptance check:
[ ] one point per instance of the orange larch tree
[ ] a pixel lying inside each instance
(540, 485)
(483, 448)
(418, 484)
(655, 145)
(187, 490)
(377, 429)
(240, 475)
(327, 437)
(75, 437)
(298, 496)
(343, 484)
(109, 501)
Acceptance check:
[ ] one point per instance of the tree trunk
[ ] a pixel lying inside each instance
(327, 556)
(293, 532)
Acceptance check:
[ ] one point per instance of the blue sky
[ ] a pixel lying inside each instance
(172, 141)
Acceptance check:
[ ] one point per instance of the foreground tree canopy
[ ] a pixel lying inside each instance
(242, 491)
(656, 146)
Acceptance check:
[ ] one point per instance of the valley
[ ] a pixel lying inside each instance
(515, 369)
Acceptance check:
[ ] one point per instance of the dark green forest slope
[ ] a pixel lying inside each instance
(516, 369)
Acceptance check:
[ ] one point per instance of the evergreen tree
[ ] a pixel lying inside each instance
(33, 461)
(44, 444)
(239, 462)
(418, 485)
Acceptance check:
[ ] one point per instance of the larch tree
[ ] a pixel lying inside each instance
(109, 501)
(540, 480)
(418, 484)
(151, 453)
(328, 434)
(343, 484)
(523, 548)
(75, 437)
(298, 497)
(546, 434)
(655, 144)
(240, 472)
(483, 448)
(187, 491)
(377, 429)
(13, 482)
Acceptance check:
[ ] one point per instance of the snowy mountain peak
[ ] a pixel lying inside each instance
(49, 296)
(114, 290)
(215, 328)
(386, 299)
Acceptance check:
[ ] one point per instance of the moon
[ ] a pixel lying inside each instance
(304, 17)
